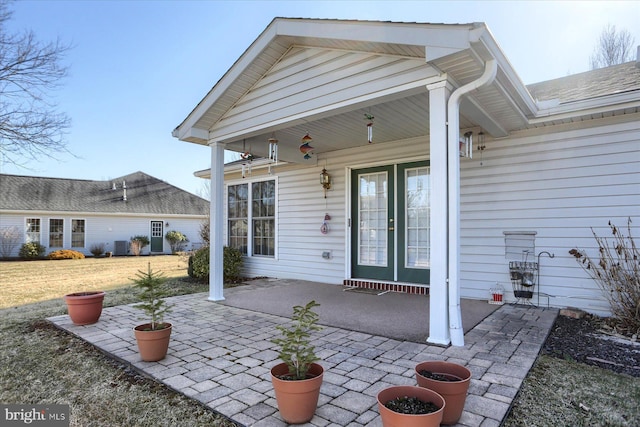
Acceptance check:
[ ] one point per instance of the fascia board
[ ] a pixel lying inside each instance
(453, 36)
(590, 106)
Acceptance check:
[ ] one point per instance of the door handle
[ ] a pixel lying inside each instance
(391, 228)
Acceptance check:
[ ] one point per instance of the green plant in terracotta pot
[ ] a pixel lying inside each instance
(152, 337)
(297, 380)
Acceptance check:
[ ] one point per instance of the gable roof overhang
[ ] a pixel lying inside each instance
(323, 76)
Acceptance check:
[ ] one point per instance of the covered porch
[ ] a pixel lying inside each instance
(221, 355)
(416, 87)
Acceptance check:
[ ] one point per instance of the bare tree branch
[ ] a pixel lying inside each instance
(30, 124)
(613, 48)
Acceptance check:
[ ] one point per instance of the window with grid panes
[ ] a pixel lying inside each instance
(77, 233)
(56, 233)
(237, 217)
(263, 217)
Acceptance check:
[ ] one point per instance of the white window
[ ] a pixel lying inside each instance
(77, 233)
(56, 233)
(33, 230)
(251, 215)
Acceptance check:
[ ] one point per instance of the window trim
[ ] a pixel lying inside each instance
(250, 183)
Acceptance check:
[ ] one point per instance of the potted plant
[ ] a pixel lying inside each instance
(84, 308)
(153, 337)
(450, 380)
(297, 380)
(410, 406)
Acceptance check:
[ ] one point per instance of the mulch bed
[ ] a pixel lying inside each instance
(588, 340)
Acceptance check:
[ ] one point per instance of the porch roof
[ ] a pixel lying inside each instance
(249, 103)
(405, 56)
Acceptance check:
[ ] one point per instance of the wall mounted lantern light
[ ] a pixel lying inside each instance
(325, 181)
(466, 145)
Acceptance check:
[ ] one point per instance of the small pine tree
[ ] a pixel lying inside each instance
(152, 296)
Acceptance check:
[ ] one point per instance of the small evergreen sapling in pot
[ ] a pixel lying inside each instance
(296, 349)
(150, 283)
(153, 338)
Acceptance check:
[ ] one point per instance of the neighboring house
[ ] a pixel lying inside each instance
(409, 207)
(76, 214)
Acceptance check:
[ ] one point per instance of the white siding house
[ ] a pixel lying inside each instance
(411, 210)
(77, 214)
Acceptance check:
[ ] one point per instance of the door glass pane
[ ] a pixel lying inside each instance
(156, 229)
(417, 213)
(372, 229)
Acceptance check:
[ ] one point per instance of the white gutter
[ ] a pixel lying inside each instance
(453, 178)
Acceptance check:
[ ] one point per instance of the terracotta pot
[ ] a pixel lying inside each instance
(395, 419)
(84, 308)
(297, 400)
(454, 392)
(153, 345)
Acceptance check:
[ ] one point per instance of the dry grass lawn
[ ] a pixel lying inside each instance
(25, 282)
(40, 364)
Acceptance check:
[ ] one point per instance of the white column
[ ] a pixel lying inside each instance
(216, 226)
(438, 289)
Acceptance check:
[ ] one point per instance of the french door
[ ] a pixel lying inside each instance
(390, 235)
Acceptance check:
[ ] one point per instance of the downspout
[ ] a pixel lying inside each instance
(453, 198)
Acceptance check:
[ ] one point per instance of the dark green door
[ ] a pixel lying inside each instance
(157, 236)
(390, 235)
(413, 222)
(373, 228)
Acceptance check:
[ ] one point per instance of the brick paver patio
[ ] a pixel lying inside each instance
(221, 356)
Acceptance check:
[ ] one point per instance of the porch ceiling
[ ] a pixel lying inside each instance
(457, 51)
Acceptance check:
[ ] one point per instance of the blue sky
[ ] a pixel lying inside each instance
(138, 68)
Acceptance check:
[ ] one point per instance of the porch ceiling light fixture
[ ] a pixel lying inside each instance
(325, 181)
(466, 145)
(305, 147)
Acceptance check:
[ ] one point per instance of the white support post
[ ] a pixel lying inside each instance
(216, 226)
(438, 289)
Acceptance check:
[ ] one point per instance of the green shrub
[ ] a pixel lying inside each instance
(65, 254)
(232, 264)
(199, 265)
(176, 240)
(32, 250)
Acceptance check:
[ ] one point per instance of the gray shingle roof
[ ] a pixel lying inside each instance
(590, 84)
(145, 194)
